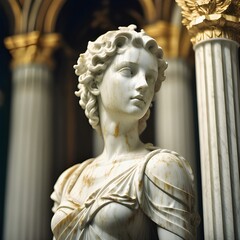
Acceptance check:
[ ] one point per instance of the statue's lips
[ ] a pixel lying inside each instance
(139, 98)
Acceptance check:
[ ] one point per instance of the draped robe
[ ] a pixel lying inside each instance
(159, 185)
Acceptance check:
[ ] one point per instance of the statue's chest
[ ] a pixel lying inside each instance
(108, 194)
(114, 182)
(115, 221)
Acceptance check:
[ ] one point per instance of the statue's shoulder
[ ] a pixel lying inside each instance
(70, 173)
(66, 179)
(168, 192)
(168, 168)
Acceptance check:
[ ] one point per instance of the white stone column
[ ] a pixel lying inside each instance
(217, 69)
(29, 182)
(174, 111)
(214, 30)
(27, 205)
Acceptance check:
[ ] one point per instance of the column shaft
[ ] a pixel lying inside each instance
(174, 111)
(219, 123)
(28, 179)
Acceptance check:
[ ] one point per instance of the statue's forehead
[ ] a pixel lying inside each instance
(133, 55)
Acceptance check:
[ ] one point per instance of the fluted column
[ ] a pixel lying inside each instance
(219, 122)
(214, 27)
(174, 111)
(27, 205)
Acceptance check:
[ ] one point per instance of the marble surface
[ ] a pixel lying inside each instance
(219, 128)
(131, 190)
(29, 169)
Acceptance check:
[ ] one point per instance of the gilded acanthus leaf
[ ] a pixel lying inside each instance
(207, 19)
(189, 11)
(205, 6)
(210, 7)
(234, 8)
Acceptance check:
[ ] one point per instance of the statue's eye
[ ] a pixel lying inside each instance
(126, 71)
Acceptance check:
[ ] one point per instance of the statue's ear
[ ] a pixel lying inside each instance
(93, 88)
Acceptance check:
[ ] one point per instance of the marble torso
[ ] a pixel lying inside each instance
(125, 199)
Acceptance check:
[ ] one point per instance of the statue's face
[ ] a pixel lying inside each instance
(127, 87)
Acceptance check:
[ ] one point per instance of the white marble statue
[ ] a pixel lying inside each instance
(132, 190)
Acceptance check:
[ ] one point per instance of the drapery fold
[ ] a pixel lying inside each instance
(138, 184)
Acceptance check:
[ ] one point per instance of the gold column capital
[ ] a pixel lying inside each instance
(209, 19)
(32, 47)
(169, 37)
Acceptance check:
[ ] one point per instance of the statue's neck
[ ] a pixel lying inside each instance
(120, 133)
(120, 136)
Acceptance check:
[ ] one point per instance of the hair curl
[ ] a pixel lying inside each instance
(92, 64)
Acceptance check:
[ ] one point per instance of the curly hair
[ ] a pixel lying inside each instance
(92, 64)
